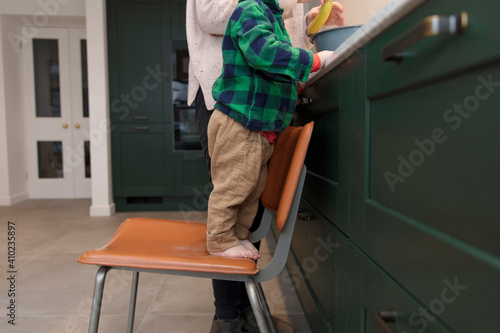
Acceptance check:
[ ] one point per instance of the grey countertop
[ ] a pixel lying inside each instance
(386, 17)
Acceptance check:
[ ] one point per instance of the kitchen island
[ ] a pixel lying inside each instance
(400, 212)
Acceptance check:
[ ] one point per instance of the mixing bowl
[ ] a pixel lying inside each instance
(331, 39)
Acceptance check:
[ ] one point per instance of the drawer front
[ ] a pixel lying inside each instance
(437, 166)
(320, 251)
(320, 97)
(382, 298)
(322, 195)
(436, 56)
(456, 284)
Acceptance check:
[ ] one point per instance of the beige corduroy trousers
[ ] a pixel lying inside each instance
(239, 172)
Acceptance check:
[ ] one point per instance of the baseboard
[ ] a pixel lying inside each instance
(13, 199)
(102, 210)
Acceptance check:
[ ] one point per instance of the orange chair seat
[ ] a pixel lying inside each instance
(164, 244)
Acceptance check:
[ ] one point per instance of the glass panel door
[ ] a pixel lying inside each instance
(56, 123)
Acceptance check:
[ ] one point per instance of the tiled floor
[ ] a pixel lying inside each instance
(53, 291)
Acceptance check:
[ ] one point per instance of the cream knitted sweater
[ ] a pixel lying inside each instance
(206, 22)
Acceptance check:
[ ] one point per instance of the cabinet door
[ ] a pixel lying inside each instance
(436, 165)
(432, 141)
(139, 48)
(321, 185)
(141, 165)
(327, 160)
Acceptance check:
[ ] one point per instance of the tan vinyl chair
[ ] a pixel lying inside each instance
(179, 247)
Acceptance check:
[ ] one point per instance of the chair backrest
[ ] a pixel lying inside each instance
(284, 171)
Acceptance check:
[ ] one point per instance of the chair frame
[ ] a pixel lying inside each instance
(252, 282)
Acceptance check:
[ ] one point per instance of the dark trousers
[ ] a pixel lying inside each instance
(230, 296)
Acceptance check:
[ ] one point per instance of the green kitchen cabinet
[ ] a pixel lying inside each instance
(410, 144)
(326, 184)
(318, 270)
(139, 53)
(424, 181)
(156, 156)
(178, 19)
(318, 263)
(145, 169)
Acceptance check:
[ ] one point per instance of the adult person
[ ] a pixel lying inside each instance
(206, 21)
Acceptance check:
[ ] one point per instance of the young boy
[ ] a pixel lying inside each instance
(255, 98)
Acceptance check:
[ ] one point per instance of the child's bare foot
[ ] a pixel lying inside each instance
(246, 243)
(239, 251)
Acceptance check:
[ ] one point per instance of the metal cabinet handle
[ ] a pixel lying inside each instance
(141, 128)
(305, 216)
(384, 317)
(434, 25)
(304, 101)
(141, 117)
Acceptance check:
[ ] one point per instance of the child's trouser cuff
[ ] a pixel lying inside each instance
(221, 242)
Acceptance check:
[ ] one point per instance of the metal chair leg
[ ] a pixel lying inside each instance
(253, 296)
(97, 300)
(133, 301)
(265, 307)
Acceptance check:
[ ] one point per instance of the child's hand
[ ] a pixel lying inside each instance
(336, 15)
(330, 58)
(326, 57)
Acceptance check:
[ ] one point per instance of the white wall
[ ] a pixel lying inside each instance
(12, 115)
(361, 11)
(102, 194)
(355, 11)
(4, 168)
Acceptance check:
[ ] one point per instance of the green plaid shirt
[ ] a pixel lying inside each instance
(258, 85)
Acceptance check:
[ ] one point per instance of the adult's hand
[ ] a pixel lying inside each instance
(336, 15)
